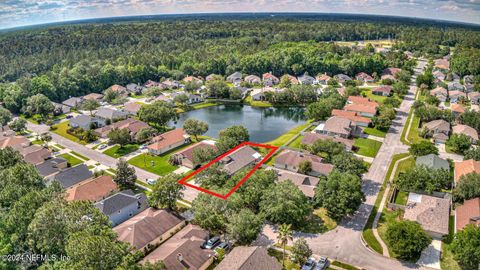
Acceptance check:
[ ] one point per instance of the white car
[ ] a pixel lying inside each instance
(151, 181)
(102, 146)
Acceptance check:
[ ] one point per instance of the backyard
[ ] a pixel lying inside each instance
(155, 164)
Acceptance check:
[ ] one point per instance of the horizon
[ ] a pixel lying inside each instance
(18, 14)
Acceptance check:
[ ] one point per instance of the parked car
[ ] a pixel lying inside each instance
(69, 116)
(102, 146)
(211, 243)
(309, 265)
(224, 245)
(151, 181)
(322, 263)
(143, 146)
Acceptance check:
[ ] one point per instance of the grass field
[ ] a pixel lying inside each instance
(80, 156)
(61, 129)
(375, 132)
(296, 143)
(367, 147)
(284, 138)
(160, 165)
(117, 151)
(72, 161)
(255, 103)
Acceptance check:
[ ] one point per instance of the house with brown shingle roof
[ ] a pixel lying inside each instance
(456, 96)
(432, 213)
(292, 79)
(323, 79)
(438, 129)
(383, 90)
(149, 228)
(132, 107)
(311, 137)
(474, 97)
(361, 109)
(193, 79)
(457, 109)
(305, 183)
(168, 141)
(239, 159)
(441, 64)
(94, 189)
(131, 124)
(269, 79)
(93, 96)
(467, 213)
(440, 93)
(249, 258)
(15, 142)
(182, 251)
(253, 79)
(469, 131)
(185, 156)
(364, 77)
(391, 71)
(291, 160)
(465, 167)
(337, 126)
(353, 116)
(121, 90)
(35, 154)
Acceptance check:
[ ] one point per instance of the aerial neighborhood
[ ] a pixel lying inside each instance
(367, 148)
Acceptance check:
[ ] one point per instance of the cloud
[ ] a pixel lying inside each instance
(24, 12)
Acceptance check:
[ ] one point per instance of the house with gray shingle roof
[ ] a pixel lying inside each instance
(247, 258)
(430, 212)
(111, 114)
(433, 161)
(86, 122)
(73, 175)
(123, 205)
(51, 166)
(72, 102)
(239, 159)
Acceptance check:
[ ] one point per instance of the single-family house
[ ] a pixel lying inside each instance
(168, 141)
(438, 129)
(457, 109)
(293, 80)
(183, 251)
(258, 94)
(306, 79)
(249, 258)
(474, 97)
(439, 76)
(235, 77)
(468, 79)
(455, 85)
(110, 114)
(354, 117)
(185, 156)
(35, 154)
(131, 124)
(305, 183)
(13, 141)
(312, 137)
(342, 91)
(342, 78)
(60, 108)
(194, 98)
(86, 122)
(383, 90)
(149, 228)
(362, 109)
(151, 83)
(132, 108)
(93, 190)
(430, 212)
(441, 64)
(323, 79)
(467, 213)
(455, 96)
(440, 93)
(239, 159)
(93, 96)
(72, 102)
(120, 90)
(433, 161)
(469, 88)
(172, 84)
(196, 80)
(364, 77)
(134, 88)
(467, 130)
(72, 176)
(122, 205)
(337, 126)
(391, 71)
(253, 79)
(269, 79)
(211, 77)
(465, 167)
(291, 160)
(51, 166)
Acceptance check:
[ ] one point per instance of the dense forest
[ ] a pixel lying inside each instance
(70, 60)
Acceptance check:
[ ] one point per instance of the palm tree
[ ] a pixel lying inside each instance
(284, 234)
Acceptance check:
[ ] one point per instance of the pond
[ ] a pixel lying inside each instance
(263, 124)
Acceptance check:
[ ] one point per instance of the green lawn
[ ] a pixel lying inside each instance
(344, 265)
(255, 103)
(401, 198)
(296, 143)
(204, 105)
(379, 99)
(161, 166)
(284, 138)
(447, 262)
(388, 216)
(61, 129)
(374, 132)
(80, 156)
(329, 223)
(117, 151)
(414, 134)
(72, 161)
(367, 147)
(38, 142)
(404, 165)
(289, 265)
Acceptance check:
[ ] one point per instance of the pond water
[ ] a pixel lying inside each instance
(263, 124)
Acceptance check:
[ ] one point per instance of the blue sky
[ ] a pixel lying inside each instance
(26, 12)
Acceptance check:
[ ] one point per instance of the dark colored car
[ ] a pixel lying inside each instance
(211, 243)
(309, 265)
(322, 264)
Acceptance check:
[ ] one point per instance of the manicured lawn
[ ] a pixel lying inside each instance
(296, 143)
(414, 134)
(117, 151)
(284, 138)
(59, 146)
(204, 105)
(329, 223)
(401, 198)
(80, 156)
(38, 142)
(255, 103)
(161, 166)
(72, 161)
(344, 265)
(61, 129)
(379, 99)
(367, 147)
(447, 262)
(375, 132)
(404, 165)
(388, 217)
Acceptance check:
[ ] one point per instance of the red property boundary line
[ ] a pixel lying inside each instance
(184, 182)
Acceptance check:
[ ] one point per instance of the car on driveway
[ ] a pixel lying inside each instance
(309, 265)
(224, 245)
(151, 181)
(102, 146)
(211, 243)
(322, 263)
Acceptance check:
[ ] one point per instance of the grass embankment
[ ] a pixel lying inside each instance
(344, 265)
(158, 165)
(61, 129)
(367, 231)
(118, 151)
(284, 138)
(367, 147)
(254, 103)
(71, 160)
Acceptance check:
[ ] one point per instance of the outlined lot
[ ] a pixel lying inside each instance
(184, 180)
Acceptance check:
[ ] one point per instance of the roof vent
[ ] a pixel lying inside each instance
(180, 257)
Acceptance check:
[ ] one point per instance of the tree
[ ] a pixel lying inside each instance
(382, 122)
(466, 247)
(322, 109)
(238, 133)
(328, 147)
(284, 235)
(17, 180)
(472, 153)
(110, 95)
(285, 203)
(90, 105)
(166, 191)
(181, 99)
(423, 148)
(459, 143)
(125, 175)
(201, 155)
(285, 82)
(346, 162)
(18, 125)
(38, 104)
(145, 134)
(46, 137)
(5, 116)
(341, 194)
(301, 251)
(119, 136)
(244, 226)
(9, 157)
(407, 239)
(195, 127)
(422, 178)
(218, 88)
(305, 166)
(468, 187)
(158, 113)
(471, 119)
(210, 212)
